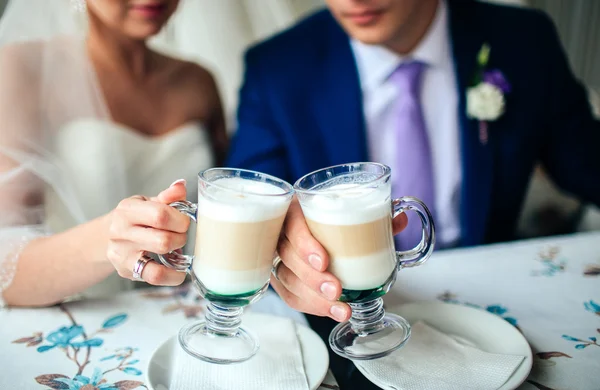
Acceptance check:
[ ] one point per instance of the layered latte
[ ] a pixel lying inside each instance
(354, 225)
(237, 234)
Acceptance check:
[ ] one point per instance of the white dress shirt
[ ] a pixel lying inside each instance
(439, 101)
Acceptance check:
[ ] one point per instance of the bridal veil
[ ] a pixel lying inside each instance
(46, 83)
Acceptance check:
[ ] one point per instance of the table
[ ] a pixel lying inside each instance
(548, 288)
(107, 342)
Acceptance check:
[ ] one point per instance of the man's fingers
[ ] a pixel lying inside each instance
(310, 302)
(323, 283)
(305, 245)
(399, 223)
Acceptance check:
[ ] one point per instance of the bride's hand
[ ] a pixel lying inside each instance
(141, 224)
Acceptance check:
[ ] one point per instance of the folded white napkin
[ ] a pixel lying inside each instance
(433, 360)
(277, 365)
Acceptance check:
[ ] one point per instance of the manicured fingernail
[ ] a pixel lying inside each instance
(338, 312)
(315, 261)
(328, 290)
(177, 182)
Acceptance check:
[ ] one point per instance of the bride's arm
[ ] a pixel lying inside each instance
(52, 268)
(48, 269)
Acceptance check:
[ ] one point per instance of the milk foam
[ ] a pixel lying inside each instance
(347, 204)
(242, 200)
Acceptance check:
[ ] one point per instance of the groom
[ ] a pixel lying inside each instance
(389, 81)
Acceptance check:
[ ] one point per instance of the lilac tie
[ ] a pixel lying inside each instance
(412, 172)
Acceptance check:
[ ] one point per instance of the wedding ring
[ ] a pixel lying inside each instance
(276, 265)
(138, 268)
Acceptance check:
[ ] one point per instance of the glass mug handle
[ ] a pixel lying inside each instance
(420, 253)
(174, 260)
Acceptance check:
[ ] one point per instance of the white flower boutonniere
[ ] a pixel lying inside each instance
(485, 96)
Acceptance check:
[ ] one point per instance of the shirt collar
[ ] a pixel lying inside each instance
(376, 63)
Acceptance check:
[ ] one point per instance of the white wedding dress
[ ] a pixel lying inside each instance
(151, 165)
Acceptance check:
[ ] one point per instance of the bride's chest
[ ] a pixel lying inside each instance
(102, 163)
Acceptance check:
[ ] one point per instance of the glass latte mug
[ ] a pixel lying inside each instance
(348, 209)
(239, 217)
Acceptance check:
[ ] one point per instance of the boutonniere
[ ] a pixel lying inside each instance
(485, 95)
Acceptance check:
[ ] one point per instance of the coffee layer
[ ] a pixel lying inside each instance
(357, 240)
(362, 255)
(236, 246)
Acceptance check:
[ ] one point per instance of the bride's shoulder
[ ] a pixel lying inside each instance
(192, 77)
(188, 72)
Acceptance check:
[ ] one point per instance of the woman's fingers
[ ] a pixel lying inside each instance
(159, 275)
(154, 240)
(136, 211)
(139, 225)
(176, 191)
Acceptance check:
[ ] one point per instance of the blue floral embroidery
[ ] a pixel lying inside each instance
(551, 264)
(63, 338)
(72, 340)
(494, 309)
(592, 340)
(582, 343)
(592, 306)
(114, 321)
(80, 381)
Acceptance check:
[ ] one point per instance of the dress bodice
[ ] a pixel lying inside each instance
(102, 163)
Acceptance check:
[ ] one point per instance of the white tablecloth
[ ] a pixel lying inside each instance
(549, 289)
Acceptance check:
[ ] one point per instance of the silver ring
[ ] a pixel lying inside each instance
(276, 263)
(138, 268)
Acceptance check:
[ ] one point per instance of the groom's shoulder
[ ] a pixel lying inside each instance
(510, 21)
(305, 39)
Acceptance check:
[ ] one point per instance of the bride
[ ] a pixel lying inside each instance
(90, 117)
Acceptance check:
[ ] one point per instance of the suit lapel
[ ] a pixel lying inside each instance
(477, 161)
(338, 103)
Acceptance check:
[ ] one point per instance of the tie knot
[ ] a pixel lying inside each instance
(408, 76)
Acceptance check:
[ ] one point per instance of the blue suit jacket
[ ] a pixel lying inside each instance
(301, 110)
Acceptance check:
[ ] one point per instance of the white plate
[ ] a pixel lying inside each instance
(314, 356)
(482, 329)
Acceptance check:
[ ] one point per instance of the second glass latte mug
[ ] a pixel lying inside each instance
(239, 218)
(349, 210)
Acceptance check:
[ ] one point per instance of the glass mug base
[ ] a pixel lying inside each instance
(373, 336)
(202, 343)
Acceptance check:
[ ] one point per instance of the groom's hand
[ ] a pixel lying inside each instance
(302, 278)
